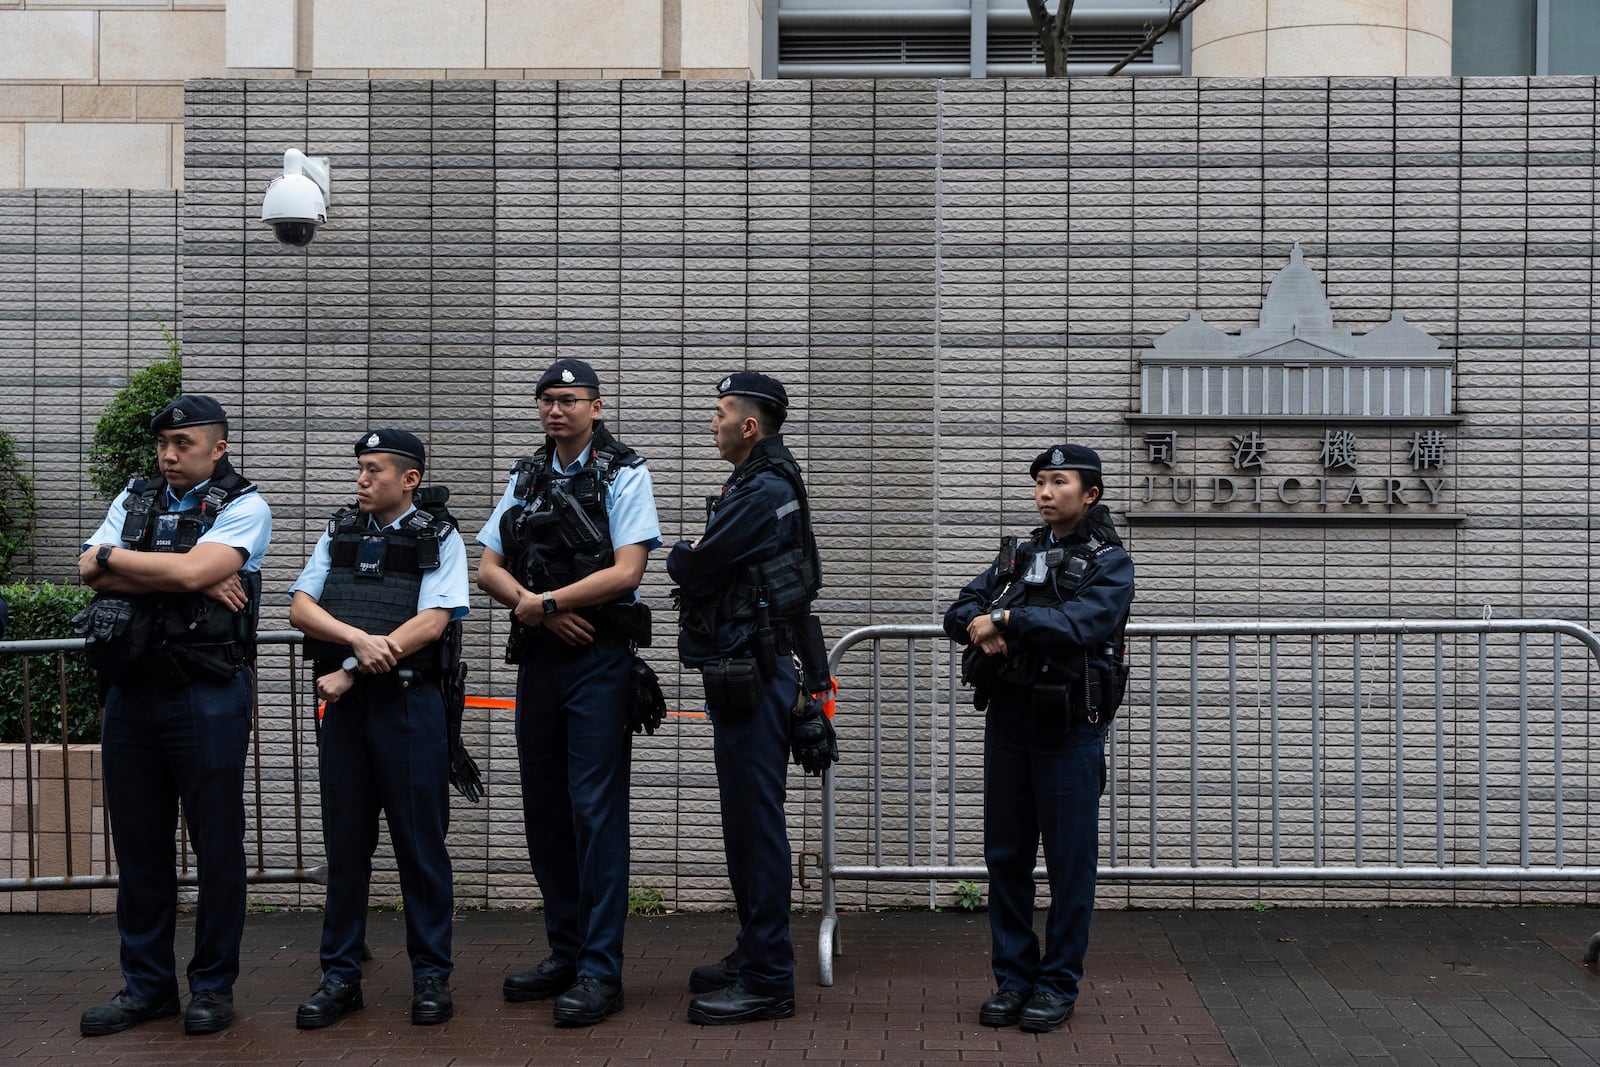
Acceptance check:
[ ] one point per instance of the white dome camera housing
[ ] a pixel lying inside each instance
(297, 201)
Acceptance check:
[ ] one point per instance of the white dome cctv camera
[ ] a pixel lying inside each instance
(297, 201)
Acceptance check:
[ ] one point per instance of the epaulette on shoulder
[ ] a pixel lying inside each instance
(431, 513)
(614, 458)
(345, 518)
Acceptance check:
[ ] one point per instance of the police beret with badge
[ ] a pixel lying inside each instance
(567, 373)
(188, 410)
(398, 442)
(751, 383)
(1065, 457)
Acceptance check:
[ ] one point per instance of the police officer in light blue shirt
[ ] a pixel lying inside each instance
(565, 550)
(176, 569)
(380, 602)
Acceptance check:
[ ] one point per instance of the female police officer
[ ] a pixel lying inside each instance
(1045, 623)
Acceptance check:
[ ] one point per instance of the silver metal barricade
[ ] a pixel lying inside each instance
(273, 797)
(1296, 751)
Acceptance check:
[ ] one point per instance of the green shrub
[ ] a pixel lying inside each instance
(18, 507)
(122, 446)
(42, 611)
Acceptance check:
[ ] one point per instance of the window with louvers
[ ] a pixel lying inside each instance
(908, 49)
(887, 51)
(1012, 48)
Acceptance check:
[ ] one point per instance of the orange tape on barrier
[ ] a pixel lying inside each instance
(503, 704)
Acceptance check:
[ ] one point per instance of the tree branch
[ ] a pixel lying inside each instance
(1180, 11)
(1055, 40)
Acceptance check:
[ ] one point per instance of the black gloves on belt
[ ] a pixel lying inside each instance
(811, 736)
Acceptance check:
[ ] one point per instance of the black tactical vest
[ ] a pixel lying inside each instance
(719, 621)
(792, 576)
(376, 575)
(151, 525)
(1041, 574)
(559, 531)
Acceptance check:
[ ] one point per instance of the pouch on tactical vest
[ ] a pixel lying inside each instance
(733, 686)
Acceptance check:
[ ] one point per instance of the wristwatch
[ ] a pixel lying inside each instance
(549, 604)
(351, 665)
(998, 617)
(103, 557)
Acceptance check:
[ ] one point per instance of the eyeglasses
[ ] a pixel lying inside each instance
(565, 403)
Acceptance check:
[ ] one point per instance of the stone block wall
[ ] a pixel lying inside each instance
(948, 276)
(91, 91)
(64, 817)
(88, 281)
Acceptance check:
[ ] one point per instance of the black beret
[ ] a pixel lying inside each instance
(1065, 457)
(568, 372)
(188, 410)
(390, 439)
(749, 383)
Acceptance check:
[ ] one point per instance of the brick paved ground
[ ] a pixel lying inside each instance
(1311, 986)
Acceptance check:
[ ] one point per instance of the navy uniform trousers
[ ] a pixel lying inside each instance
(1040, 783)
(575, 747)
(383, 747)
(752, 757)
(163, 747)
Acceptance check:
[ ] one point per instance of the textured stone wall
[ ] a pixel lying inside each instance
(948, 276)
(88, 280)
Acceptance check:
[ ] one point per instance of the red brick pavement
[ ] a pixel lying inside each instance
(907, 991)
(1411, 987)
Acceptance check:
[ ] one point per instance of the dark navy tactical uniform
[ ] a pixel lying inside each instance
(1048, 707)
(383, 745)
(744, 593)
(174, 670)
(555, 526)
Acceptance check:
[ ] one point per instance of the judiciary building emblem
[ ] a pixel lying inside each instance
(1294, 420)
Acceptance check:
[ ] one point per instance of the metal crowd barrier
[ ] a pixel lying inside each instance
(259, 792)
(1309, 751)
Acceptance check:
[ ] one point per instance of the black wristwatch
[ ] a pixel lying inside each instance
(103, 557)
(549, 604)
(351, 665)
(998, 617)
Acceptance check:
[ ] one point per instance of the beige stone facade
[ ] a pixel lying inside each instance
(91, 92)
(64, 816)
(1320, 38)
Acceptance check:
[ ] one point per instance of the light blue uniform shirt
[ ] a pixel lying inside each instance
(630, 506)
(244, 524)
(443, 587)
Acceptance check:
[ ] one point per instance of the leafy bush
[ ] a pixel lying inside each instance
(18, 507)
(42, 611)
(122, 446)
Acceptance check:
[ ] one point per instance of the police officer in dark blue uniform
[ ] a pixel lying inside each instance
(176, 567)
(745, 589)
(1044, 628)
(565, 549)
(380, 602)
